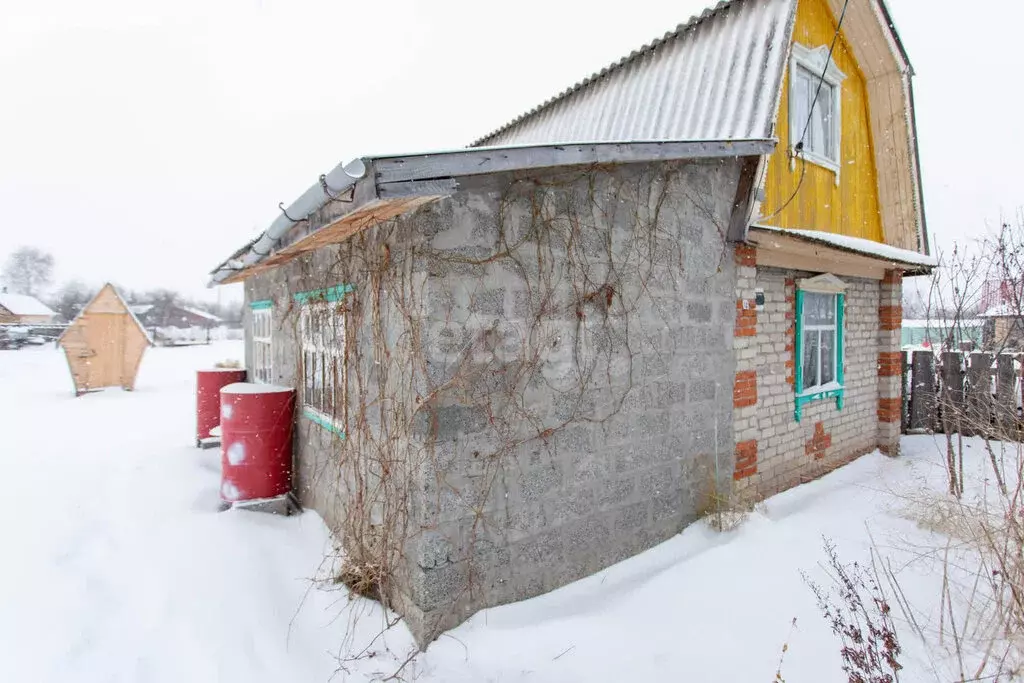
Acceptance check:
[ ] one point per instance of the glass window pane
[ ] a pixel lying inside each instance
(825, 107)
(332, 388)
(307, 378)
(810, 360)
(828, 349)
(800, 102)
(819, 309)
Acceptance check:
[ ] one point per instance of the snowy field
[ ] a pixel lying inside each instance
(116, 566)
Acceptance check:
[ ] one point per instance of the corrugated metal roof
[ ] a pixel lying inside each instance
(716, 77)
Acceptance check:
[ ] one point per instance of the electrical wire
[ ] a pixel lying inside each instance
(798, 148)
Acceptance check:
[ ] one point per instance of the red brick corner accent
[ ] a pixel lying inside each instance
(890, 409)
(890, 363)
(744, 390)
(819, 442)
(746, 255)
(892, 450)
(746, 318)
(893, 277)
(890, 317)
(746, 459)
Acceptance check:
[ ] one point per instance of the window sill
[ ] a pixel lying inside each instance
(828, 391)
(816, 159)
(318, 418)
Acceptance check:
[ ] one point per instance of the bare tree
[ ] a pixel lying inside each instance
(28, 271)
(981, 604)
(71, 298)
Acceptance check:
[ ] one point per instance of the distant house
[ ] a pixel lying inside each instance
(1004, 327)
(172, 323)
(677, 281)
(169, 314)
(24, 309)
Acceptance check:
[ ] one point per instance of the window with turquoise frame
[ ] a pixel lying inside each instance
(322, 340)
(818, 348)
(262, 342)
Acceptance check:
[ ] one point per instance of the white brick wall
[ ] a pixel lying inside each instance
(782, 457)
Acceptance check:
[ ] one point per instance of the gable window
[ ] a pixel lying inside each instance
(815, 86)
(819, 340)
(322, 337)
(262, 346)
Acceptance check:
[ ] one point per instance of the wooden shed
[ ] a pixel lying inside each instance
(104, 344)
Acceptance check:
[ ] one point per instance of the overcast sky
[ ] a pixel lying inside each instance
(142, 142)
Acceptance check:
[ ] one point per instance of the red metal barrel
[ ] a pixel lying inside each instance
(256, 441)
(208, 386)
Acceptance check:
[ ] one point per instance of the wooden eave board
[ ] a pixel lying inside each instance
(784, 251)
(375, 212)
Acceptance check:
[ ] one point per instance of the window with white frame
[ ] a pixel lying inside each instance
(819, 335)
(262, 346)
(323, 361)
(815, 87)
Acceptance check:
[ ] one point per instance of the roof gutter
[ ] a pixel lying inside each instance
(338, 182)
(433, 175)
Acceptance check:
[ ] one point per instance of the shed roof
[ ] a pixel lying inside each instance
(127, 309)
(1003, 310)
(717, 76)
(374, 188)
(199, 313)
(858, 245)
(23, 304)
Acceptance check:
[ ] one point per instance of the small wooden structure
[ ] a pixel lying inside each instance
(104, 344)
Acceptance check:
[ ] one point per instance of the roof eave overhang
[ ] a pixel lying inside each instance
(783, 248)
(392, 185)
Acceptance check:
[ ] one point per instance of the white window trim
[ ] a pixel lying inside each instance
(335, 352)
(266, 341)
(814, 60)
(804, 328)
(827, 283)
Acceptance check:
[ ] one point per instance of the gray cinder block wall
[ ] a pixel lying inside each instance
(563, 366)
(586, 380)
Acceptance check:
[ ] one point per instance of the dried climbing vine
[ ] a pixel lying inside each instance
(466, 357)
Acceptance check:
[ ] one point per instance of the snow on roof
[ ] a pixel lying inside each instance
(858, 245)
(250, 388)
(942, 324)
(1003, 310)
(140, 309)
(23, 304)
(200, 314)
(715, 77)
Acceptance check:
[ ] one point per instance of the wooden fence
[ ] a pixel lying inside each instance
(970, 393)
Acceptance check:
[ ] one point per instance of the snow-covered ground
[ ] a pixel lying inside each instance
(115, 565)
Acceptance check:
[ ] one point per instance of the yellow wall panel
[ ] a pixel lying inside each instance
(852, 207)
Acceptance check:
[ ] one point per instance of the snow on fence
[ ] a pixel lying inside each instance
(970, 393)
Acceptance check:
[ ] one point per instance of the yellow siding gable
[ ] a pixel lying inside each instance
(852, 207)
